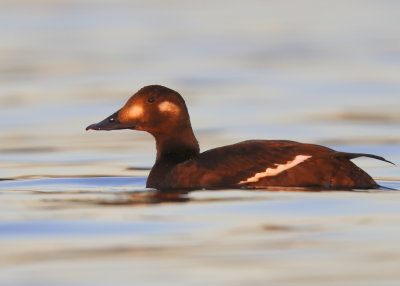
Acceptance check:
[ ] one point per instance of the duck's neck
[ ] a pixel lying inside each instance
(172, 149)
(177, 148)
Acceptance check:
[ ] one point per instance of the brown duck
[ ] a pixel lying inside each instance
(250, 164)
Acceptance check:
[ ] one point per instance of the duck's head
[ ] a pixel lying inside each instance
(154, 108)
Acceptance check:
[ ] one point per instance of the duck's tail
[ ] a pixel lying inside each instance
(357, 155)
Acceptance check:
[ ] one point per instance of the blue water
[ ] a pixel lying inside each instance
(74, 209)
(27, 230)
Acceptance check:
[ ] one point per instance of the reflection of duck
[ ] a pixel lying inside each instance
(253, 164)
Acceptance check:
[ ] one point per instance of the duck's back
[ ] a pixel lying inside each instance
(263, 163)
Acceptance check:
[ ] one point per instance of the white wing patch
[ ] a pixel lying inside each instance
(278, 169)
(169, 107)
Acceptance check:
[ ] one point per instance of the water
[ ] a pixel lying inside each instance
(74, 209)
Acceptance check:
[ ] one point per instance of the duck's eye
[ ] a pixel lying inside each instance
(151, 99)
(112, 119)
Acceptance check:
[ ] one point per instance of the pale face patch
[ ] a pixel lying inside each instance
(278, 169)
(131, 113)
(169, 107)
(135, 112)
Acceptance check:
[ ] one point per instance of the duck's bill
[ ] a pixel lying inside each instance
(110, 123)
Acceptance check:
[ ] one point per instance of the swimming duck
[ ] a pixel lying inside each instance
(250, 164)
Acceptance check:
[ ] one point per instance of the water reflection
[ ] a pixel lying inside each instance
(52, 193)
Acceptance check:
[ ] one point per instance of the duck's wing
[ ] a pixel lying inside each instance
(260, 163)
(235, 164)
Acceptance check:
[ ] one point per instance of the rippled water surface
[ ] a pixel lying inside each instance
(74, 209)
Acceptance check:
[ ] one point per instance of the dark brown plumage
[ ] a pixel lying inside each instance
(251, 164)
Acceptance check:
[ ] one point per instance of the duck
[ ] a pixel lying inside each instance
(251, 164)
